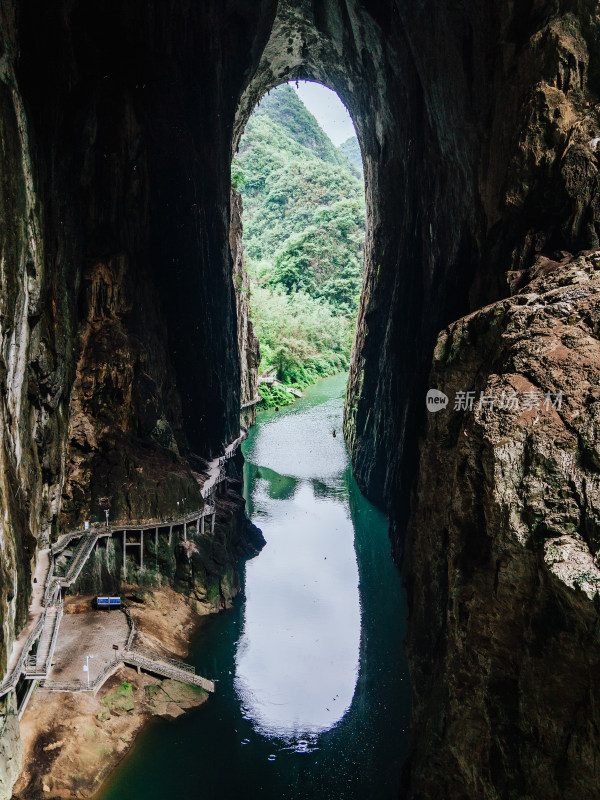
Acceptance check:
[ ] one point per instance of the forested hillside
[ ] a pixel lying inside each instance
(351, 149)
(304, 218)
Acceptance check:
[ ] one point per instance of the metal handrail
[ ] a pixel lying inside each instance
(59, 614)
(167, 669)
(131, 624)
(84, 548)
(149, 655)
(58, 547)
(11, 681)
(79, 686)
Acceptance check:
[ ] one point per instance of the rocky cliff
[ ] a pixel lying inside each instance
(119, 359)
(118, 341)
(502, 560)
(204, 566)
(248, 344)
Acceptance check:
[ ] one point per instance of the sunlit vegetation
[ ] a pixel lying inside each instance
(304, 221)
(300, 335)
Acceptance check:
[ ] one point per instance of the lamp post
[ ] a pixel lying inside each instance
(104, 503)
(87, 669)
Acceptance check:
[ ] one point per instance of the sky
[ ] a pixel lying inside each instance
(327, 107)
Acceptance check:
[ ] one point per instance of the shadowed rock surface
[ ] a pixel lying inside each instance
(248, 344)
(502, 568)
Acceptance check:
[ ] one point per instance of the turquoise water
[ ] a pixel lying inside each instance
(313, 697)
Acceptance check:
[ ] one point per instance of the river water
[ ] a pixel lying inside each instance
(313, 695)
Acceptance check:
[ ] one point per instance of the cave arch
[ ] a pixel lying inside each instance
(410, 286)
(125, 142)
(250, 349)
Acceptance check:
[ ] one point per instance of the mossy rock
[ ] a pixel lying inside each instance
(121, 701)
(143, 596)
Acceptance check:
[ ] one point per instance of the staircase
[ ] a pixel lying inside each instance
(80, 556)
(65, 540)
(39, 665)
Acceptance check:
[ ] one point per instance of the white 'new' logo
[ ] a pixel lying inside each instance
(436, 400)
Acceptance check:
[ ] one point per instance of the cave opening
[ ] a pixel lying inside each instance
(298, 197)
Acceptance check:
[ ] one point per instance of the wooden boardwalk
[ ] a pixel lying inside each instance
(45, 609)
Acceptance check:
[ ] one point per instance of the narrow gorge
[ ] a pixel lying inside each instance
(128, 361)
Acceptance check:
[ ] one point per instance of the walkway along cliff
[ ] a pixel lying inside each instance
(46, 609)
(120, 343)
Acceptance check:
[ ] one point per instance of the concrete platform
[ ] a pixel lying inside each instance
(91, 633)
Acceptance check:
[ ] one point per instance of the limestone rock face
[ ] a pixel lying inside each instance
(248, 344)
(34, 358)
(125, 431)
(119, 364)
(503, 550)
(11, 747)
(498, 165)
(118, 342)
(206, 566)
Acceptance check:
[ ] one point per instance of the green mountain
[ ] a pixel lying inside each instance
(351, 149)
(304, 222)
(283, 107)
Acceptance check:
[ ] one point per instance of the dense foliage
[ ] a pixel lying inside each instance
(300, 336)
(351, 149)
(304, 221)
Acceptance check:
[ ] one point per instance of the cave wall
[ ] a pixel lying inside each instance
(474, 126)
(477, 126)
(119, 351)
(502, 550)
(119, 342)
(32, 409)
(248, 344)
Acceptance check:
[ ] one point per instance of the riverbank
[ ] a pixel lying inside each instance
(72, 742)
(278, 394)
